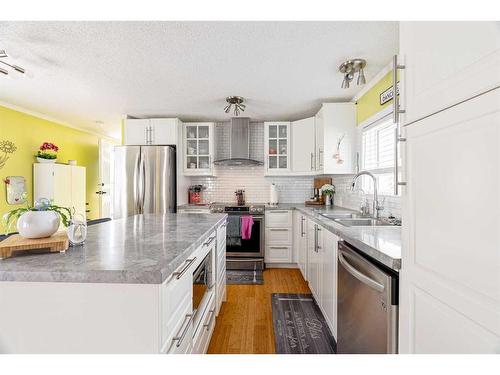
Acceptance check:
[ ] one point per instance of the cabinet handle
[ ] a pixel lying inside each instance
(151, 134)
(315, 238)
(320, 158)
(302, 219)
(189, 263)
(279, 247)
(395, 117)
(277, 212)
(312, 161)
(211, 312)
(180, 338)
(279, 230)
(209, 241)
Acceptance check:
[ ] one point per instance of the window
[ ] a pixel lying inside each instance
(377, 148)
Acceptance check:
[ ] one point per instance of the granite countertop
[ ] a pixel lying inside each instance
(140, 249)
(381, 243)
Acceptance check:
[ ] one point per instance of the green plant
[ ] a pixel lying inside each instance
(45, 155)
(42, 204)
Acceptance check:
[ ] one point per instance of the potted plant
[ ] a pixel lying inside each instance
(47, 153)
(41, 220)
(328, 190)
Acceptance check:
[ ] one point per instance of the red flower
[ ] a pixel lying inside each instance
(49, 146)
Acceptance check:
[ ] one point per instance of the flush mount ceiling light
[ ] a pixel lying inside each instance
(17, 68)
(349, 68)
(237, 102)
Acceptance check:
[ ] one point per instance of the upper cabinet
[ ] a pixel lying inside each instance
(303, 146)
(198, 148)
(160, 131)
(336, 139)
(277, 147)
(469, 56)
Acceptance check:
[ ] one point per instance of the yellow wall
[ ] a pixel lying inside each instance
(28, 133)
(369, 103)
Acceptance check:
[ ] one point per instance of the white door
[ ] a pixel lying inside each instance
(446, 62)
(137, 132)
(450, 276)
(329, 279)
(62, 185)
(164, 131)
(303, 144)
(106, 174)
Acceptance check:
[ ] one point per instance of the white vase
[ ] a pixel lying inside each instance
(38, 224)
(42, 160)
(328, 200)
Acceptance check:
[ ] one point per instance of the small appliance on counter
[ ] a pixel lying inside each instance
(240, 197)
(194, 194)
(318, 198)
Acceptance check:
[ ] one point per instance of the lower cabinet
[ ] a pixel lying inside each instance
(220, 268)
(279, 236)
(321, 252)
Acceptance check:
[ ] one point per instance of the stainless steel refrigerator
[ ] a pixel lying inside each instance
(145, 180)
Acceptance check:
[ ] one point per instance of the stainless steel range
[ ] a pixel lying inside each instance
(243, 253)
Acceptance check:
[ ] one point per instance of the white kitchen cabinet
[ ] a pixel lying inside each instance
(198, 146)
(300, 241)
(328, 290)
(314, 234)
(303, 146)
(336, 142)
(64, 184)
(450, 284)
(279, 236)
(277, 147)
(159, 131)
(445, 63)
(220, 268)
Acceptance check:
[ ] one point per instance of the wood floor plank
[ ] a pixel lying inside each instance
(245, 322)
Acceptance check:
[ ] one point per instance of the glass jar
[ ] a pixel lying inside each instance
(77, 230)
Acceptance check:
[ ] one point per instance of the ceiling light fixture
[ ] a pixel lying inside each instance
(349, 68)
(237, 102)
(17, 68)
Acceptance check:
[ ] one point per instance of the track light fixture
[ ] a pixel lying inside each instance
(237, 102)
(17, 68)
(349, 68)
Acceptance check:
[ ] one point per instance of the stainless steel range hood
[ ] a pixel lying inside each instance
(239, 145)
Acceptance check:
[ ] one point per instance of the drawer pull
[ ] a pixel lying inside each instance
(179, 274)
(279, 230)
(278, 212)
(180, 338)
(279, 247)
(207, 325)
(209, 241)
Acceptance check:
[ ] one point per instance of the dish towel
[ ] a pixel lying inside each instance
(246, 227)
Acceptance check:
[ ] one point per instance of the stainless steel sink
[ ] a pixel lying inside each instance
(333, 216)
(363, 222)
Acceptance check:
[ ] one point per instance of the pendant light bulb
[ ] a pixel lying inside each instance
(361, 77)
(227, 108)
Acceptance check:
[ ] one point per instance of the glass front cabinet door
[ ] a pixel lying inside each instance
(277, 147)
(198, 148)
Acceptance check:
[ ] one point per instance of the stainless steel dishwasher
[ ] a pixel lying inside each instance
(367, 304)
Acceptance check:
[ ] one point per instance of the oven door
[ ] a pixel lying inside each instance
(250, 248)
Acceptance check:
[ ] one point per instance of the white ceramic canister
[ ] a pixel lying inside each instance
(38, 224)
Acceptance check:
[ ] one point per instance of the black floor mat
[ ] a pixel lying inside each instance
(299, 326)
(244, 277)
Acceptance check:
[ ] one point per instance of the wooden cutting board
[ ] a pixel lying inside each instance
(320, 181)
(56, 243)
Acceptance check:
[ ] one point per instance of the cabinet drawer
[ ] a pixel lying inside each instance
(278, 254)
(182, 338)
(278, 219)
(278, 236)
(205, 329)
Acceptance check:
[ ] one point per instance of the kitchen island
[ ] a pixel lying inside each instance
(121, 292)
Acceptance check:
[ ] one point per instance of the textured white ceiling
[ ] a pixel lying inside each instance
(81, 72)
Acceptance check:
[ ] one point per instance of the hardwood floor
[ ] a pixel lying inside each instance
(245, 322)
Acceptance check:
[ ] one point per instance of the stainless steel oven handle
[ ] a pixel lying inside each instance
(359, 275)
(209, 241)
(180, 337)
(212, 315)
(189, 263)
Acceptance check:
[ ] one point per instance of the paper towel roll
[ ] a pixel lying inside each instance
(273, 195)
